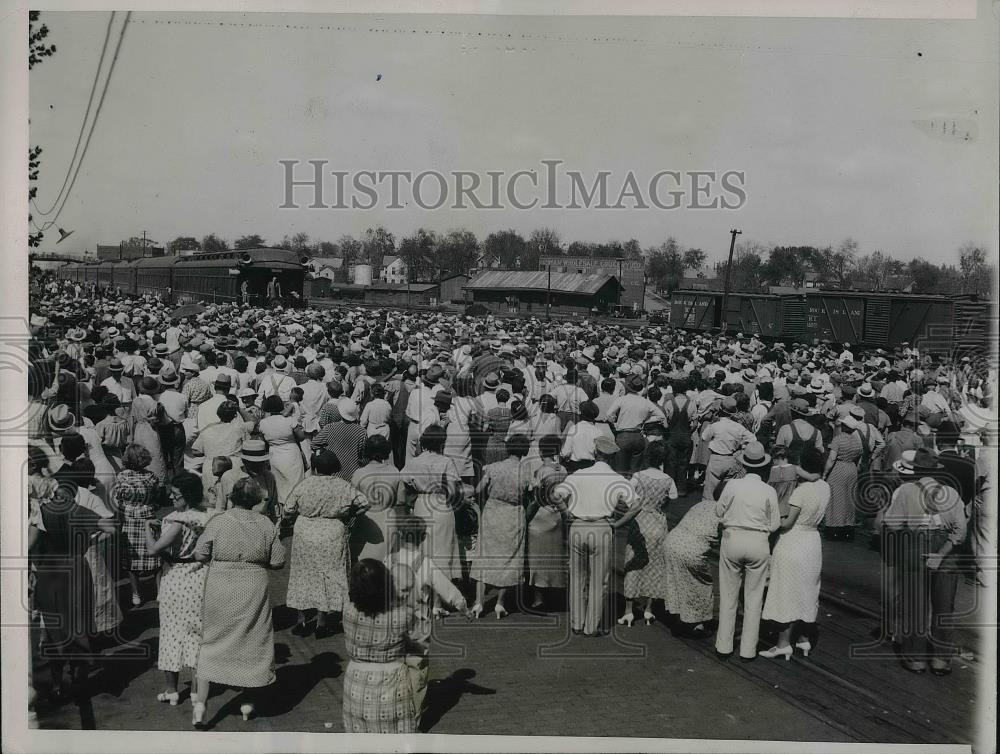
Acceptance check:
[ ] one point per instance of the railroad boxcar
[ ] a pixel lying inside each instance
(751, 313)
(123, 276)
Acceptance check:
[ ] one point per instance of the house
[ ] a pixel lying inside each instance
(393, 270)
(487, 261)
(529, 291)
(331, 268)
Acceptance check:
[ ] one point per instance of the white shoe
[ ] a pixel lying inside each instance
(773, 652)
(247, 711)
(198, 715)
(169, 696)
(804, 646)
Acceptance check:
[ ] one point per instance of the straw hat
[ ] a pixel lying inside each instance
(254, 450)
(753, 456)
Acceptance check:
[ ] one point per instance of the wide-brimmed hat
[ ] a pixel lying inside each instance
(77, 334)
(816, 386)
(246, 392)
(728, 405)
(223, 380)
(61, 418)
(904, 465)
(168, 375)
(753, 456)
(348, 409)
(866, 390)
(492, 381)
(848, 421)
(433, 375)
(116, 365)
(605, 445)
(635, 383)
(925, 460)
(254, 450)
(800, 406)
(161, 349)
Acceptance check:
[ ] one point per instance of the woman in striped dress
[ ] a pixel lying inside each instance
(842, 474)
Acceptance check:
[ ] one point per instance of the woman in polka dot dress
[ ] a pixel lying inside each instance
(182, 585)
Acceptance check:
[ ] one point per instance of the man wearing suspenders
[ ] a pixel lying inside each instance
(680, 410)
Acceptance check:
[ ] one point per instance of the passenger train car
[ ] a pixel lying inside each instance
(878, 319)
(202, 276)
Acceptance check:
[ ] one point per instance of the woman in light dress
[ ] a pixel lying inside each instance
(283, 437)
(323, 504)
(182, 585)
(143, 416)
(797, 560)
(377, 480)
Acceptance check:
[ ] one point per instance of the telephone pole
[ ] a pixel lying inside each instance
(729, 272)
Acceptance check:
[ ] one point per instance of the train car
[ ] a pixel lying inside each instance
(91, 272)
(750, 313)
(153, 275)
(219, 276)
(877, 319)
(123, 276)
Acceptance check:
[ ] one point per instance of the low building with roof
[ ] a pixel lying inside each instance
(528, 291)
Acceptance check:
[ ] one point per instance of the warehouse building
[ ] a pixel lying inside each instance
(631, 273)
(504, 291)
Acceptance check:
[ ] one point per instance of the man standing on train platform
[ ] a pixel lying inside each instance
(591, 497)
(274, 292)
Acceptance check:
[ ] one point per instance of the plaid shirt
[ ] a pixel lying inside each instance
(378, 639)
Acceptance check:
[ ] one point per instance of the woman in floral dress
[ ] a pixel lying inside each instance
(687, 582)
(136, 496)
(182, 586)
(323, 503)
(502, 530)
(645, 560)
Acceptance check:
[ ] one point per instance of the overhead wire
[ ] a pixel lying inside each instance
(97, 114)
(83, 125)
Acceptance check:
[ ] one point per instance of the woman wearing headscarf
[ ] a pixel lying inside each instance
(322, 505)
(145, 424)
(377, 480)
(842, 473)
(136, 496)
(237, 641)
(502, 530)
(283, 436)
(182, 585)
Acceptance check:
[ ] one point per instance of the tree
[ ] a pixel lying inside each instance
(665, 265)
(253, 241)
(748, 267)
(378, 243)
(458, 251)
(183, 243)
(976, 274)
(37, 51)
(419, 252)
(212, 242)
(138, 245)
(694, 259)
(786, 265)
(631, 249)
(327, 249)
(508, 246)
(874, 270)
(351, 249)
(543, 242)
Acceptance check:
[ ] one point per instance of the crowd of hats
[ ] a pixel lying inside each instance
(387, 340)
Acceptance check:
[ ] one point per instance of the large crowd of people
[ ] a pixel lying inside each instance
(433, 463)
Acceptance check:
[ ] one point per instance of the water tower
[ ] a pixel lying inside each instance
(363, 274)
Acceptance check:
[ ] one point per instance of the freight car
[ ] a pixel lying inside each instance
(871, 319)
(203, 276)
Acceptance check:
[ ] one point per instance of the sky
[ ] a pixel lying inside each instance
(828, 120)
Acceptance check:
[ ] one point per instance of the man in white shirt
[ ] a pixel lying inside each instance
(591, 497)
(748, 509)
(118, 385)
(314, 397)
(275, 381)
(208, 411)
(934, 406)
(581, 438)
(419, 405)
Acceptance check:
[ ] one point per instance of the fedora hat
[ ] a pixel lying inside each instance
(728, 405)
(161, 349)
(848, 421)
(116, 365)
(800, 406)
(492, 381)
(443, 398)
(433, 375)
(753, 456)
(866, 391)
(925, 459)
(61, 418)
(168, 376)
(254, 450)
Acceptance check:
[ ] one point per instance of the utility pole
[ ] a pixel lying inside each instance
(621, 260)
(144, 243)
(548, 293)
(729, 272)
